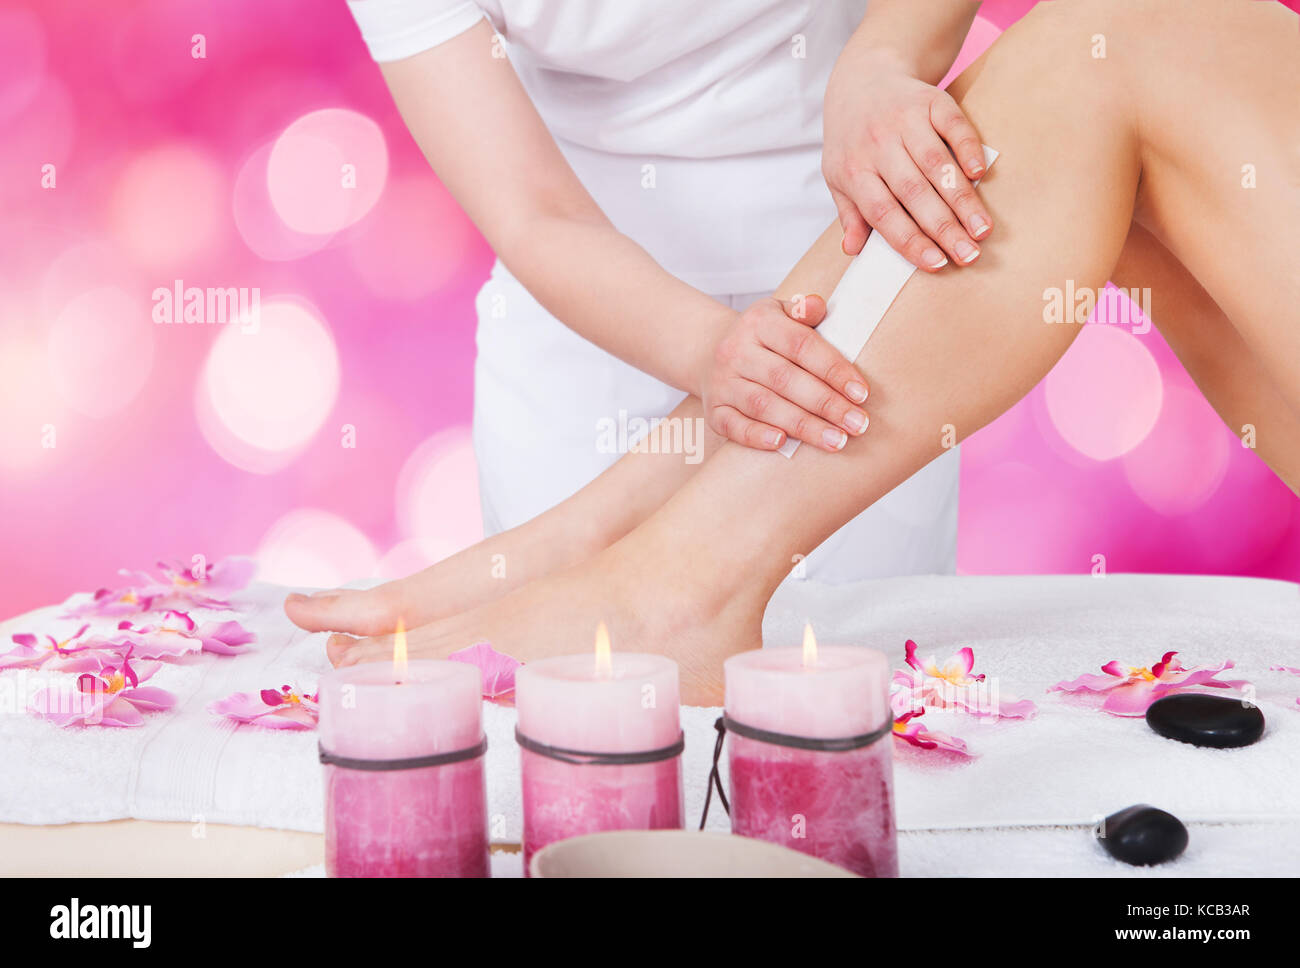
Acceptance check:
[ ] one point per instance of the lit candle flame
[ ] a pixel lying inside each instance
(604, 663)
(399, 651)
(809, 647)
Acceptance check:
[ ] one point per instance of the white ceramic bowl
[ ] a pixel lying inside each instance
(674, 853)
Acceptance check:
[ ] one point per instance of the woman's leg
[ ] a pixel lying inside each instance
(692, 580)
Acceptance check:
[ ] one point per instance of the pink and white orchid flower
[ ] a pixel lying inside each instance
(112, 697)
(209, 587)
(173, 586)
(955, 686)
(73, 654)
(285, 708)
(909, 730)
(178, 634)
(111, 603)
(1131, 689)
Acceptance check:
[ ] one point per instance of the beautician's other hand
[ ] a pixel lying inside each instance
(899, 156)
(771, 375)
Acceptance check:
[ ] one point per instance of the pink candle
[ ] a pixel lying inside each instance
(836, 799)
(581, 718)
(405, 794)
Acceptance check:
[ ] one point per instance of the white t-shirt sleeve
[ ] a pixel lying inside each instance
(394, 29)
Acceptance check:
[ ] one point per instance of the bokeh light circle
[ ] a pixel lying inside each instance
(312, 548)
(326, 170)
(169, 205)
(437, 494)
(1105, 394)
(1180, 465)
(271, 385)
(259, 225)
(101, 349)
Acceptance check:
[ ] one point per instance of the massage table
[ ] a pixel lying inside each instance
(189, 793)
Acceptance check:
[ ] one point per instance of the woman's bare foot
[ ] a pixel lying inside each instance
(648, 604)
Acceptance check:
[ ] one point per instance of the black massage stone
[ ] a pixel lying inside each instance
(1215, 721)
(1142, 835)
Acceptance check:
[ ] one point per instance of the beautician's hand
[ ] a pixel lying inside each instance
(899, 156)
(771, 376)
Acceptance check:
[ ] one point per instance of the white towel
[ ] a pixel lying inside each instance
(1068, 765)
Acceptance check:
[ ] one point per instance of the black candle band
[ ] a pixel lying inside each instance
(580, 758)
(408, 763)
(724, 724)
(840, 745)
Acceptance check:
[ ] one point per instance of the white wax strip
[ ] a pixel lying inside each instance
(867, 289)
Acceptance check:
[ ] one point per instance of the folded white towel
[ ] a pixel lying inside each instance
(1068, 765)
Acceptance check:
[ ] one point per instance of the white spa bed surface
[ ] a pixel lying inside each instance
(1026, 805)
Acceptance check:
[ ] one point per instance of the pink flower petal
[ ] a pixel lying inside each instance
(917, 735)
(290, 716)
(910, 652)
(1087, 683)
(224, 638)
(1202, 676)
(1130, 699)
(120, 712)
(246, 707)
(1166, 664)
(966, 659)
(149, 698)
(497, 668)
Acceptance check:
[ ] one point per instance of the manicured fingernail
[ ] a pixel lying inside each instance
(966, 253)
(979, 226)
(857, 392)
(976, 168)
(295, 597)
(774, 438)
(324, 595)
(935, 259)
(834, 439)
(855, 421)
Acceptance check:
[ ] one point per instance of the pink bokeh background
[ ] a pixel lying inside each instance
(335, 445)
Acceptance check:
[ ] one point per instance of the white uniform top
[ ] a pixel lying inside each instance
(696, 126)
(722, 98)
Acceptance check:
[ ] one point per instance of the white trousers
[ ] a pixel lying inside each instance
(544, 399)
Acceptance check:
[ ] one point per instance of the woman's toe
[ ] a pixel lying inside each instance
(342, 610)
(338, 647)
